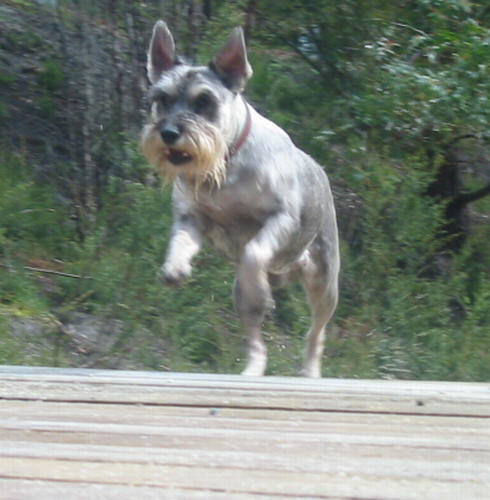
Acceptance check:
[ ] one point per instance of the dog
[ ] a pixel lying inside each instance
(240, 183)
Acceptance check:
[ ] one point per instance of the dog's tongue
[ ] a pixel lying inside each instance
(177, 157)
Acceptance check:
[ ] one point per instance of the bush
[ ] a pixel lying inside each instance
(51, 77)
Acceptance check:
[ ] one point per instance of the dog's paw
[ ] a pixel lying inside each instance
(311, 372)
(171, 276)
(256, 364)
(252, 371)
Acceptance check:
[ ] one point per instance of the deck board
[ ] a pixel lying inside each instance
(111, 434)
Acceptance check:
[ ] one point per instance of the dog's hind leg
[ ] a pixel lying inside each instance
(252, 289)
(319, 277)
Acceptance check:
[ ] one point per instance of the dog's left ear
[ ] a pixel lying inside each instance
(231, 63)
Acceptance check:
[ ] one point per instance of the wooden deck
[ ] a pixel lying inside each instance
(96, 434)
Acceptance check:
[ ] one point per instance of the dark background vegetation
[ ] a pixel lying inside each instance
(391, 97)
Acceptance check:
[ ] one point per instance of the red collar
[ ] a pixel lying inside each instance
(233, 149)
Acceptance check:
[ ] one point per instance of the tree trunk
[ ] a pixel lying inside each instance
(88, 129)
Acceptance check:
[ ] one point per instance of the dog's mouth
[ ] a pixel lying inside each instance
(178, 157)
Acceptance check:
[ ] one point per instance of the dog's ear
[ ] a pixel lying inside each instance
(161, 54)
(231, 63)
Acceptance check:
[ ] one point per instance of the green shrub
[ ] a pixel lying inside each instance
(6, 79)
(50, 76)
(30, 217)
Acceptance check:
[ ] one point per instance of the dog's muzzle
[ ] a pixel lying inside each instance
(170, 134)
(178, 157)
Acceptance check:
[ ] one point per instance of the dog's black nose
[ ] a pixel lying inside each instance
(169, 134)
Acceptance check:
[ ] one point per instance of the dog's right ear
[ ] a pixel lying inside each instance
(161, 54)
(231, 63)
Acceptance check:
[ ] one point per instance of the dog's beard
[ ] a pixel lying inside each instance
(201, 158)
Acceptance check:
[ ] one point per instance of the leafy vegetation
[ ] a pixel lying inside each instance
(391, 97)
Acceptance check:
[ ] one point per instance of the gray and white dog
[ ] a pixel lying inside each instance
(241, 183)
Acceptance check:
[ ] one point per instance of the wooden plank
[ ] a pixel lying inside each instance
(257, 482)
(217, 436)
(243, 418)
(19, 489)
(125, 436)
(240, 438)
(460, 390)
(167, 389)
(442, 464)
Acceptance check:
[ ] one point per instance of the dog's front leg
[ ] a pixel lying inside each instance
(184, 244)
(252, 291)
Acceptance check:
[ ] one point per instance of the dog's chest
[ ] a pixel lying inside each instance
(231, 218)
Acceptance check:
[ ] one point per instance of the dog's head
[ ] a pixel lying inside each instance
(192, 120)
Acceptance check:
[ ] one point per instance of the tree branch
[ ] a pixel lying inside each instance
(458, 138)
(464, 199)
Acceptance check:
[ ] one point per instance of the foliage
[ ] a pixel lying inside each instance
(6, 79)
(379, 92)
(50, 76)
(31, 216)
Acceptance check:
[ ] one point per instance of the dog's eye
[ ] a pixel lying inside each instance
(160, 102)
(203, 103)
(163, 99)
